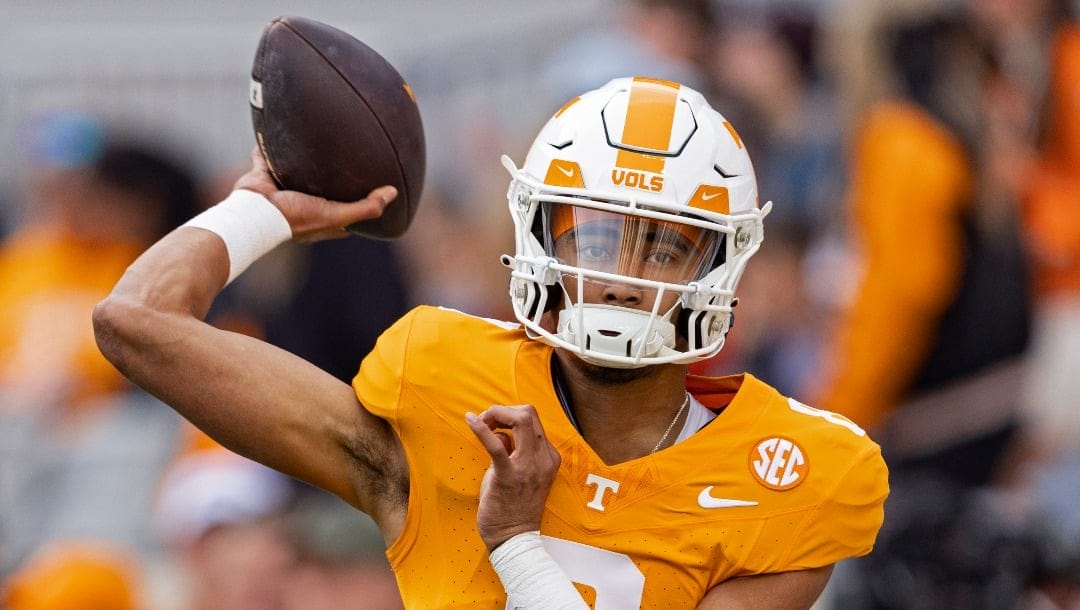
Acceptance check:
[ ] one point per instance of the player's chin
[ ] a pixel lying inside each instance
(610, 375)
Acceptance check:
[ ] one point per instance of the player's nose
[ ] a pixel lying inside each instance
(621, 294)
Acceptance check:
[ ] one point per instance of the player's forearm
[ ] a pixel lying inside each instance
(182, 273)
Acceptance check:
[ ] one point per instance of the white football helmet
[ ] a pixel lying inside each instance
(635, 214)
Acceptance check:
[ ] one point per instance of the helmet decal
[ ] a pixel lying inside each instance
(564, 173)
(712, 198)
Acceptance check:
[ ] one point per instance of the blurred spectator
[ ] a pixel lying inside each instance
(765, 62)
(79, 448)
(221, 517)
(342, 561)
(443, 268)
(240, 536)
(778, 332)
(74, 576)
(1041, 43)
(929, 351)
(937, 239)
(1052, 221)
(666, 39)
(334, 315)
(1023, 34)
(93, 204)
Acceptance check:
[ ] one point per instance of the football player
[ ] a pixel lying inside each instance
(567, 458)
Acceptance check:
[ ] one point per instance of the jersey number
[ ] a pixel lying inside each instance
(828, 416)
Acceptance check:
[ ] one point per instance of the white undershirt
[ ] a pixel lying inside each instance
(698, 416)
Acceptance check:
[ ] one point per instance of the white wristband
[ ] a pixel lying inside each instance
(531, 578)
(249, 225)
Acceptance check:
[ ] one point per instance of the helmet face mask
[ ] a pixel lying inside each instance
(635, 213)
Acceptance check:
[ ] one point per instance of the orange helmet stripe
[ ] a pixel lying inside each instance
(640, 161)
(734, 134)
(567, 105)
(649, 118)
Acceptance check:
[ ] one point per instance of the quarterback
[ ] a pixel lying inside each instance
(564, 460)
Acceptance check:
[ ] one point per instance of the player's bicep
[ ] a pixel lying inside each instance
(796, 590)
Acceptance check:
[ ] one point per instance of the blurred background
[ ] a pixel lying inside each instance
(920, 273)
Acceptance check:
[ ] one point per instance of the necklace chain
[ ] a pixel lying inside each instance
(686, 402)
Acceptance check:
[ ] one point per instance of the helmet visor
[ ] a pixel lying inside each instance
(628, 245)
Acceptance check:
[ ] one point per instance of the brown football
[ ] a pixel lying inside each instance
(334, 118)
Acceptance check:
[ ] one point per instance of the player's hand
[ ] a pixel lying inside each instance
(313, 218)
(523, 466)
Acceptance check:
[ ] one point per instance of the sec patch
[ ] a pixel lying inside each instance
(779, 463)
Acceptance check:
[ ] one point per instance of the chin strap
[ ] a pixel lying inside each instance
(617, 331)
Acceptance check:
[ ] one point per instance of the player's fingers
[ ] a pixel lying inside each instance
(372, 206)
(496, 448)
(315, 219)
(522, 424)
(257, 160)
(258, 178)
(502, 416)
(525, 423)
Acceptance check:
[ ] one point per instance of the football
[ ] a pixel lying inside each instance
(334, 118)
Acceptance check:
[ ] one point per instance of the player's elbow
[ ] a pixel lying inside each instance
(116, 322)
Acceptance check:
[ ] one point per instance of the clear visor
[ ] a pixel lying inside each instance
(628, 245)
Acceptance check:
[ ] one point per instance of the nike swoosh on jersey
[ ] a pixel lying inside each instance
(706, 500)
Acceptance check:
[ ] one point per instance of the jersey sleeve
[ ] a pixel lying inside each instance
(378, 383)
(844, 525)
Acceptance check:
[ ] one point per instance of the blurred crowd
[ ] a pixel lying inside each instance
(920, 275)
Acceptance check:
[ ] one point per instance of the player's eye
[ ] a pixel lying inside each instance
(662, 257)
(666, 248)
(594, 253)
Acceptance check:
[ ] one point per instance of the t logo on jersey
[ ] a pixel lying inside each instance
(602, 487)
(779, 463)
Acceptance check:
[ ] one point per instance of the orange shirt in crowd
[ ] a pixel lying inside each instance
(911, 185)
(1052, 204)
(50, 282)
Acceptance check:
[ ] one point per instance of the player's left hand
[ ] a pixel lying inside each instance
(523, 467)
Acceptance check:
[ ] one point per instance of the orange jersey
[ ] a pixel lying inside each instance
(770, 485)
(49, 284)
